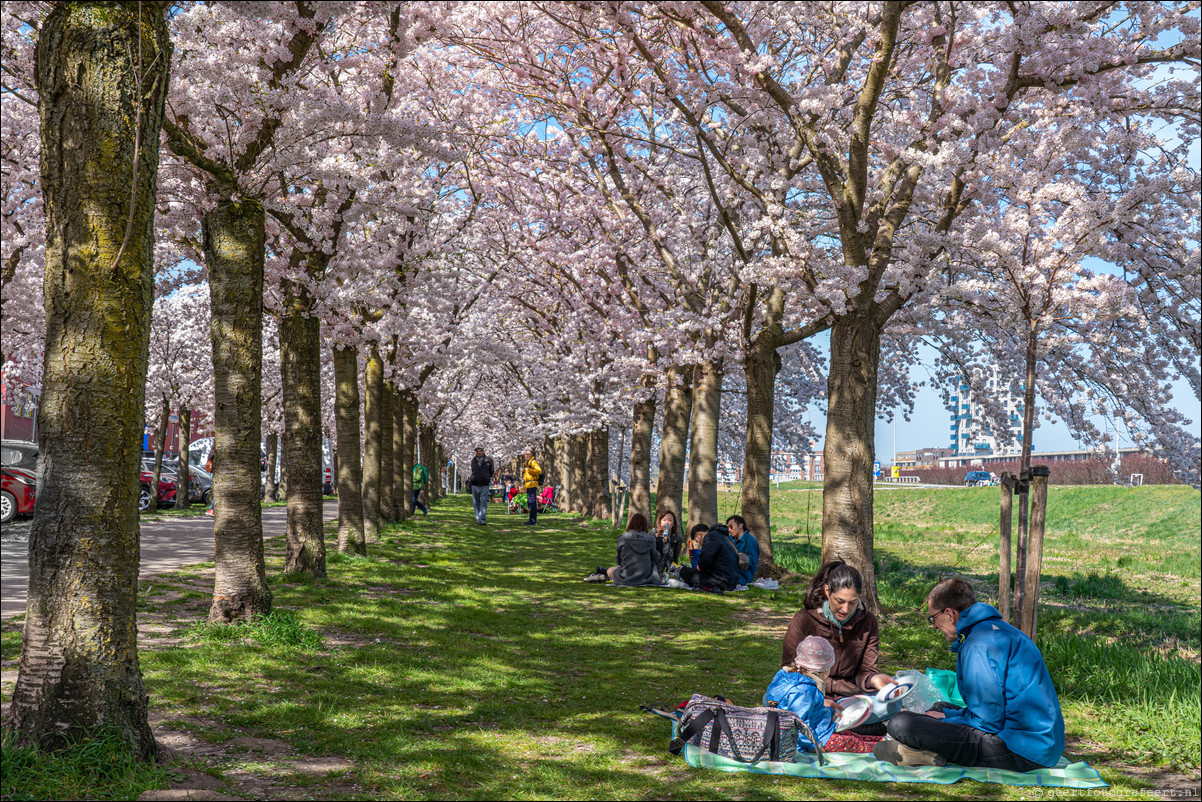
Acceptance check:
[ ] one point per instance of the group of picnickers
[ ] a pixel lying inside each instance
(1008, 714)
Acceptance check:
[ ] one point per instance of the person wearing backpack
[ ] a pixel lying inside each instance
(482, 473)
(718, 563)
(531, 474)
(420, 479)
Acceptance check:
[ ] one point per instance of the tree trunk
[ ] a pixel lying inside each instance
(640, 458)
(579, 469)
(678, 408)
(347, 457)
(427, 458)
(271, 486)
(400, 510)
(373, 388)
(760, 367)
(234, 253)
(409, 412)
(79, 661)
(703, 445)
(300, 376)
(849, 448)
(600, 503)
(184, 500)
(160, 444)
(386, 493)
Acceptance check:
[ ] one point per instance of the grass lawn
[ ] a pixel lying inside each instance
(471, 662)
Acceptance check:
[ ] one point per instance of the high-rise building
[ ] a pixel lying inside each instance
(972, 433)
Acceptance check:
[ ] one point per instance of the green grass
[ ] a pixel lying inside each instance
(472, 662)
(101, 767)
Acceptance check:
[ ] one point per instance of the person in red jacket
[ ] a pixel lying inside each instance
(833, 611)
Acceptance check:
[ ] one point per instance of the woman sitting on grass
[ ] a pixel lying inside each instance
(638, 558)
(797, 688)
(833, 611)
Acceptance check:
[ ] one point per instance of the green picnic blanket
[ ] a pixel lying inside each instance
(848, 766)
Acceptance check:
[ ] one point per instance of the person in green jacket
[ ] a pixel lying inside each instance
(420, 479)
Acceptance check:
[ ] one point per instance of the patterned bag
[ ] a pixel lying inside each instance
(745, 734)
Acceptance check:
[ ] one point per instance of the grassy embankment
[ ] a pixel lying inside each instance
(462, 661)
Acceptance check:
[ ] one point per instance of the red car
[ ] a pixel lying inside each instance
(17, 487)
(166, 491)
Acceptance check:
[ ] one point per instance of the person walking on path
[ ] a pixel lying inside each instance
(531, 473)
(482, 472)
(420, 479)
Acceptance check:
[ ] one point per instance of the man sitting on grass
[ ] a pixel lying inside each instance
(1012, 719)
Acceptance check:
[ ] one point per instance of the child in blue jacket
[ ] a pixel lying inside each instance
(798, 689)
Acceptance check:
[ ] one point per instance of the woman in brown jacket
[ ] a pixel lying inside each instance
(833, 611)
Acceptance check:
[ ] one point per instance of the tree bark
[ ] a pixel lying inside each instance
(400, 509)
(386, 472)
(409, 412)
(300, 374)
(703, 445)
(184, 500)
(373, 388)
(79, 657)
(641, 433)
(427, 458)
(678, 408)
(849, 448)
(349, 474)
(160, 444)
(760, 366)
(234, 252)
(579, 471)
(271, 487)
(600, 503)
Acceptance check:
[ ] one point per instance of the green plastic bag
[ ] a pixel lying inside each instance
(945, 682)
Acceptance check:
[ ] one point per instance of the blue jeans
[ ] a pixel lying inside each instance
(480, 501)
(417, 503)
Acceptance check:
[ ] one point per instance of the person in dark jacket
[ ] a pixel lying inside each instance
(717, 565)
(1011, 719)
(639, 560)
(482, 472)
(833, 610)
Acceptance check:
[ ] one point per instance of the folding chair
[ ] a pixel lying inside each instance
(546, 502)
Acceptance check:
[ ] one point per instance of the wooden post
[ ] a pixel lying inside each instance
(1003, 581)
(1020, 569)
(1039, 507)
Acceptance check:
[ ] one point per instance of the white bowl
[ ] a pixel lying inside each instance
(852, 712)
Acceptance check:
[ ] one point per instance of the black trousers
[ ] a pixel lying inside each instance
(532, 503)
(694, 577)
(959, 743)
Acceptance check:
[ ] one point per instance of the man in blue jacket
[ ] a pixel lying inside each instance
(746, 546)
(1011, 719)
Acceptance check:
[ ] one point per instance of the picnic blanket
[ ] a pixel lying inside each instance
(848, 766)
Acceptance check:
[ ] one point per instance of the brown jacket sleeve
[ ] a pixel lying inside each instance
(872, 651)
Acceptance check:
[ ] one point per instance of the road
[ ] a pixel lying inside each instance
(167, 543)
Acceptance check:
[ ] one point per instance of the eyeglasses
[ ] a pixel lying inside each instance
(931, 618)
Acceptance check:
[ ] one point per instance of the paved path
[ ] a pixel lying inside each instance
(167, 543)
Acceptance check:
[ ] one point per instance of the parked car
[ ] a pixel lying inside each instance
(200, 481)
(166, 495)
(978, 479)
(17, 492)
(19, 454)
(18, 478)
